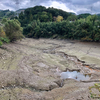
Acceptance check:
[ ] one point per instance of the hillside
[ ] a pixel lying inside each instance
(9, 14)
(20, 10)
(37, 10)
(6, 13)
(42, 14)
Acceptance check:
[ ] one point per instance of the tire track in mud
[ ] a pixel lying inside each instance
(7, 58)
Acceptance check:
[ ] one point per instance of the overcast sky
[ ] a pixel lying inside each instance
(76, 6)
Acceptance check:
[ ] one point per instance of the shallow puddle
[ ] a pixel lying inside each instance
(75, 75)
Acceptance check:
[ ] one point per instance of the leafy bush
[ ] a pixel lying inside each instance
(1, 43)
(87, 29)
(4, 40)
(13, 30)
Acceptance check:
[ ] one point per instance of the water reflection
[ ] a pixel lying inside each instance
(75, 75)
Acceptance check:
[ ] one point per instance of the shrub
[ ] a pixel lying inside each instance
(1, 43)
(13, 30)
(4, 40)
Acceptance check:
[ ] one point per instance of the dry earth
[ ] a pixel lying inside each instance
(30, 69)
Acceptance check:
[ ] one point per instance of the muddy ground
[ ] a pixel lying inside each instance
(31, 69)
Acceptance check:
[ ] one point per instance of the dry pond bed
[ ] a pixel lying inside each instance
(47, 69)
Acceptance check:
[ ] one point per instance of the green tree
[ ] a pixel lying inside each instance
(4, 20)
(13, 30)
(91, 20)
(72, 18)
(83, 15)
(21, 16)
(50, 17)
(31, 17)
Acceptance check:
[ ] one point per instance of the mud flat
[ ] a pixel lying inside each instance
(32, 70)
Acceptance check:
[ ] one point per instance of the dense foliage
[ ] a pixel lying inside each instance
(42, 14)
(13, 30)
(83, 15)
(40, 21)
(6, 14)
(3, 37)
(10, 31)
(87, 29)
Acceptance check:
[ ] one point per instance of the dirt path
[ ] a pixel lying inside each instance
(31, 69)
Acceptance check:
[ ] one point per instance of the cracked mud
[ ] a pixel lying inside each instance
(31, 69)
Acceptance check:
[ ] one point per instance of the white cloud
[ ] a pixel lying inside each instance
(4, 7)
(58, 5)
(96, 5)
(76, 6)
(24, 4)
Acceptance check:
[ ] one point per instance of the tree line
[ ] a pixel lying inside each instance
(42, 14)
(41, 22)
(87, 29)
(44, 22)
